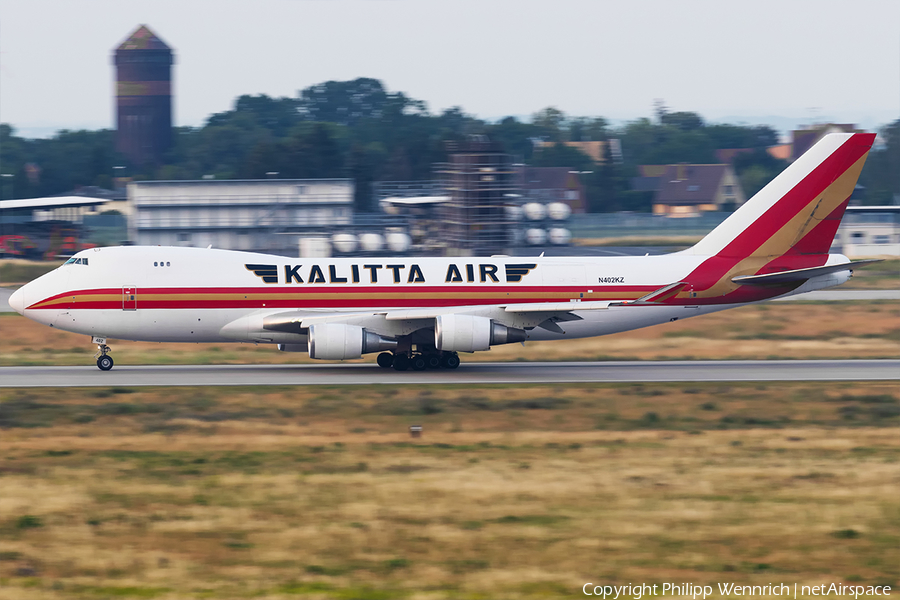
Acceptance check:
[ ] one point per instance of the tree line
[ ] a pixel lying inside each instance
(359, 129)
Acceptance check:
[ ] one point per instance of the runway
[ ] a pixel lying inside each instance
(469, 373)
(5, 293)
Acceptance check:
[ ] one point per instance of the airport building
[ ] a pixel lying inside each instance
(55, 226)
(867, 231)
(269, 215)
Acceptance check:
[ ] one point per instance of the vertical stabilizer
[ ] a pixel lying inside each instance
(789, 224)
(797, 212)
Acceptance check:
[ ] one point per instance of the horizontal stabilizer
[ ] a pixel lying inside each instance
(799, 274)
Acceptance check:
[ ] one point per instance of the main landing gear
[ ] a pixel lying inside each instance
(104, 360)
(401, 361)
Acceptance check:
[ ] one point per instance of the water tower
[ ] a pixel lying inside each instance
(143, 97)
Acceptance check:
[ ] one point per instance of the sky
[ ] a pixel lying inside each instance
(784, 62)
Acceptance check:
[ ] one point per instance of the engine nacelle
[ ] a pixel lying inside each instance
(339, 341)
(468, 333)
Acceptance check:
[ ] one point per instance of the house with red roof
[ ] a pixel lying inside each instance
(684, 190)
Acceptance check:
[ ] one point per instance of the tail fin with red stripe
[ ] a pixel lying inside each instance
(799, 211)
(788, 225)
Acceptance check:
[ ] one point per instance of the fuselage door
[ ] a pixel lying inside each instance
(129, 297)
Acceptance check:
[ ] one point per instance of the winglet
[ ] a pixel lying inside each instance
(662, 294)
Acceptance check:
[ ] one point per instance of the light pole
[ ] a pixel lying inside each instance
(7, 178)
(118, 174)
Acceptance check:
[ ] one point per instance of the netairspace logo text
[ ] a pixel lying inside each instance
(637, 591)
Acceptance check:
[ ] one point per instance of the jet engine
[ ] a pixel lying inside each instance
(339, 341)
(468, 333)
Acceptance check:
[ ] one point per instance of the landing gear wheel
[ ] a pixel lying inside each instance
(433, 361)
(401, 362)
(385, 360)
(419, 363)
(450, 361)
(105, 362)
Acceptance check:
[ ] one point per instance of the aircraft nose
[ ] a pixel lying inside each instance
(17, 301)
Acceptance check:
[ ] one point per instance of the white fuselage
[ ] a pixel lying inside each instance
(170, 294)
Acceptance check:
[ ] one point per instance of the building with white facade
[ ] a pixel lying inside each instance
(268, 215)
(869, 231)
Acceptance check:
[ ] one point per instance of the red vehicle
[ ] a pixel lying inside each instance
(66, 247)
(17, 246)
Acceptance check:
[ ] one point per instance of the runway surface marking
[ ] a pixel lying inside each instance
(469, 373)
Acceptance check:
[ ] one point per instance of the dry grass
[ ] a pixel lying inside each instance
(884, 275)
(513, 492)
(776, 330)
(15, 272)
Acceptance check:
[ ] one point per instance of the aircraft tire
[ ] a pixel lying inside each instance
(433, 361)
(451, 361)
(401, 362)
(419, 363)
(105, 362)
(385, 360)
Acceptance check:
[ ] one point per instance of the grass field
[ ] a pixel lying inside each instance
(512, 492)
(882, 275)
(15, 272)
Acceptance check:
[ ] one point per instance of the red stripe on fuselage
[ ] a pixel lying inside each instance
(408, 296)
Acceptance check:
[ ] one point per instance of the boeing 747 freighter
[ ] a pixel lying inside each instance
(419, 313)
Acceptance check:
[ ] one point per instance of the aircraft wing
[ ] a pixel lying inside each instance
(532, 307)
(292, 321)
(537, 314)
(554, 307)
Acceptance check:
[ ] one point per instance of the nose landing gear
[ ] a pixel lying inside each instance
(104, 360)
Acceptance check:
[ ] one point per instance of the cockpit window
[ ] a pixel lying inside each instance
(76, 261)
